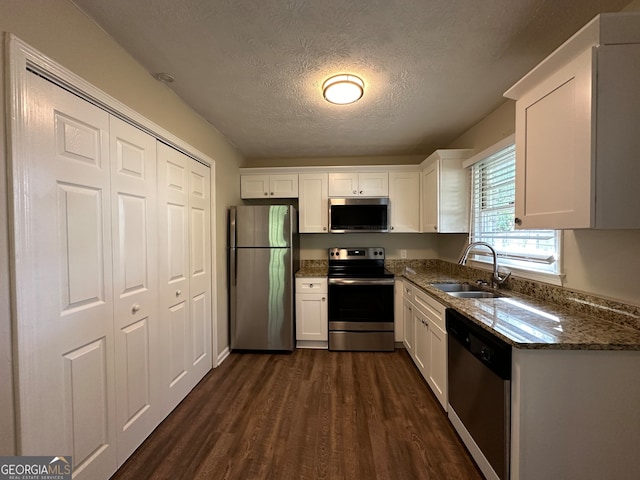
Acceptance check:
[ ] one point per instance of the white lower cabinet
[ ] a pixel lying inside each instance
(425, 338)
(312, 327)
(407, 319)
(421, 342)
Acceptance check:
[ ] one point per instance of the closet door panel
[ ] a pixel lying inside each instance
(63, 274)
(135, 259)
(178, 361)
(174, 273)
(200, 271)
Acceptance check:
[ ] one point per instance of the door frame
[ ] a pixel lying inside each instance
(21, 59)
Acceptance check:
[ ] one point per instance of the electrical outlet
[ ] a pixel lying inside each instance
(403, 253)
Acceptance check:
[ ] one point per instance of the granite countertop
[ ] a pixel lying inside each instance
(529, 316)
(527, 322)
(313, 270)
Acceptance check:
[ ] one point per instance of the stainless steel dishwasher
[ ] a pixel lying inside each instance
(479, 366)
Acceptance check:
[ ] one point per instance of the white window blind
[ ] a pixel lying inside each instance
(493, 214)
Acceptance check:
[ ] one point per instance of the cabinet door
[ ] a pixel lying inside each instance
(343, 184)
(422, 347)
(554, 162)
(430, 198)
(283, 186)
(254, 186)
(404, 198)
(135, 281)
(408, 328)
(373, 184)
(311, 317)
(438, 363)
(313, 203)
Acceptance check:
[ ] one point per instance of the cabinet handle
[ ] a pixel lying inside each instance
(361, 192)
(355, 192)
(391, 228)
(435, 227)
(518, 221)
(272, 194)
(135, 309)
(324, 228)
(324, 299)
(178, 293)
(266, 194)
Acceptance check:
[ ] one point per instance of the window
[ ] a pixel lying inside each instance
(493, 215)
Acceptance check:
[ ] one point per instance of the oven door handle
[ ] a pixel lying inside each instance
(361, 281)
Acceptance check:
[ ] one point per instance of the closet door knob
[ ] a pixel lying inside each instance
(178, 293)
(135, 309)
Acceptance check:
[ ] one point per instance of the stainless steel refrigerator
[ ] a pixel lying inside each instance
(263, 258)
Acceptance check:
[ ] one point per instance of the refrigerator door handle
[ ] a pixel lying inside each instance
(233, 260)
(233, 266)
(233, 213)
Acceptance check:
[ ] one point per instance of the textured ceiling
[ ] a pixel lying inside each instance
(254, 68)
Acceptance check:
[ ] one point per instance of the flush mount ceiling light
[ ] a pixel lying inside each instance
(164, 77)
(343, 89)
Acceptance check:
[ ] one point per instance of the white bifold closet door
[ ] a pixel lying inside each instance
(185, 276)
(64, 292)
(113, 280)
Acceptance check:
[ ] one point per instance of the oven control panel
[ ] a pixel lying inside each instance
(354, 253)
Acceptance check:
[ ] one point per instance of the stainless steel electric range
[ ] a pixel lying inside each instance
(361, 296)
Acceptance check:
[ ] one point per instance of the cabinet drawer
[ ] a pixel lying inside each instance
(311, 285)
(407, 291)
(429, 306)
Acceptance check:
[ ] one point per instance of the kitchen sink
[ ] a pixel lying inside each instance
(474, 294)
(458, 287)
(465, 290)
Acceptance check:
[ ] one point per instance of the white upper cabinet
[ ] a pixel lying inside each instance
(362, 184)
(313, 203)
(445, 192)
(577, 142)
(404, 200)
(269, 186)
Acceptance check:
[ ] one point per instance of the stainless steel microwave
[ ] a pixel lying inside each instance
(358, 215)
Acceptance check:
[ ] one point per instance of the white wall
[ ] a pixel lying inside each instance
(60, 31)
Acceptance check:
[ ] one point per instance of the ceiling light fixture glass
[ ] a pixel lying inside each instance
(343, 89)
(164, 77)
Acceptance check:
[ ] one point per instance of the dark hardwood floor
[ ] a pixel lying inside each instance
(312, 414)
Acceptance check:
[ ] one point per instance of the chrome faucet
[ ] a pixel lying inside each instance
(497, 279)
